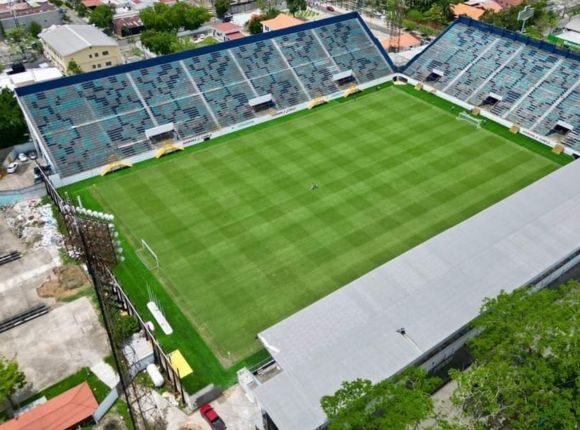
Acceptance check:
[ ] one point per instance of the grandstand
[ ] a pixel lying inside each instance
(84, 122)
(514, 79)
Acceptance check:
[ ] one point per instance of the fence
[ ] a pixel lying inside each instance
(91, 237)
(160, 356)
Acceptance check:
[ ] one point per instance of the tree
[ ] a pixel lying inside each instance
(156, 17)
(102, 16)
(296, 5)
(34, 29)
(73, 68)
(16, 35)
(255, 23)
(11, 379)
(526, 362)
(161, 17)
(221, 7)
(189, 17)
(160, 42)
(13, 129)
(81, 10)
(394, 404)
(125, 325)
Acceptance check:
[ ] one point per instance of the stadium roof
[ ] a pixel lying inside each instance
(68, 39)
(433, 291)
(64, 411)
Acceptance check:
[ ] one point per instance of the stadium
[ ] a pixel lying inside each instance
(296, 192)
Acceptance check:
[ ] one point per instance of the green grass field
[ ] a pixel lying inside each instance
(244, 242)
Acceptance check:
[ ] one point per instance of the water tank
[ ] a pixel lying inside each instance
(155, 375)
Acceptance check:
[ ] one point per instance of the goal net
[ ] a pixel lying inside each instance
(148, 256)
(464, 116)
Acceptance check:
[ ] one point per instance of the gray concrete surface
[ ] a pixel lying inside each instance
(22, 178)
(56, 345)
(234, 407)
(19, 279)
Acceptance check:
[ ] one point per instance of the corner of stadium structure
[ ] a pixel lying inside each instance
(526, 40)
(489, 28)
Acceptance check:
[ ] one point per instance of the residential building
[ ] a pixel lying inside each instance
(127, 24)
(22, 14)
(225, 31)
(68, 410)
(506, 4)
(280, 22)
(406, 41)
(462, 9)
(91, 4)
(88, 46)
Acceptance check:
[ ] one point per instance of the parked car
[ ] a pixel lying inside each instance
(228, 17)
(32, 155)
(22, 157)
(12, 167)
(211, 416)
(330, 8)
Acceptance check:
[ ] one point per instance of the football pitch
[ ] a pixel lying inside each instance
(263, 223)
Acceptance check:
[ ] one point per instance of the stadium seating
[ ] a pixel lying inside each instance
(87, 120)
(529, 83)
(268, 72)
(460, 46)
(366, 62)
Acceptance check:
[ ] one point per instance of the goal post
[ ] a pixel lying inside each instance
(148, 256)
(464, 116)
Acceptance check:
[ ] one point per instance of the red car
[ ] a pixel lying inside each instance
(211, 416)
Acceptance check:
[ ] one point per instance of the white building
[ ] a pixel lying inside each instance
(86, 45)
(416, 309)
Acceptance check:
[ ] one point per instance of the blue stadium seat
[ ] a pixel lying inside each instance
(91, 119)
(512, 76)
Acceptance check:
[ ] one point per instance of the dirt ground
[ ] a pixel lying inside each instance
(68, 338)
(19, 279)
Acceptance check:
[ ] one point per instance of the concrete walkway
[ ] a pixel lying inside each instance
(105, 373)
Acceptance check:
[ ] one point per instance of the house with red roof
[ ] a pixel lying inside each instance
(225, 31)
(63, 412)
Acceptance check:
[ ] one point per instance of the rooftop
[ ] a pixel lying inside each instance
(91, 3)
(62, 412)
(226, 27)
(407, 40)
(433, 291)
(68, 39)
(25, 9)
(570, 36)
(574, 24)
(462, 9)
(281, 21)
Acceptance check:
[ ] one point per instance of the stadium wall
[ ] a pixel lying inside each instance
(440, 355)
(59, 181)
(486, 114)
